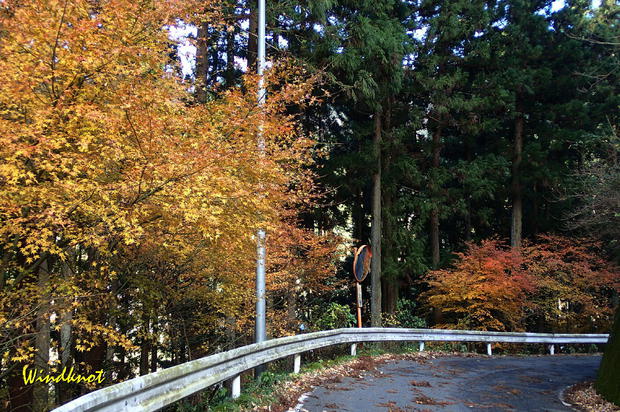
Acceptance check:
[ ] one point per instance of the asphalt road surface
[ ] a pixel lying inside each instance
(502, 383)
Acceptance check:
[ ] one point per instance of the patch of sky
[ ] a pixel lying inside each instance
(182, 33)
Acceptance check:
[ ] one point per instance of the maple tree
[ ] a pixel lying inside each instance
(575, 286)
(124, 204)
(554, 284)
(485, 290)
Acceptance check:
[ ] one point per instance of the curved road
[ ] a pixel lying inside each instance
(502, 383)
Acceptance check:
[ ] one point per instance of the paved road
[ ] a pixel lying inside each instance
(501, 383)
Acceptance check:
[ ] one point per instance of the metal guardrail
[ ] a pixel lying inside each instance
(156, 390)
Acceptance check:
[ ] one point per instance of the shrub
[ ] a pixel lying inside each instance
(334, 317)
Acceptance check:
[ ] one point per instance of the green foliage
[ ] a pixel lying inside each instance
(404, 316)
(333, 317)
(405, 310)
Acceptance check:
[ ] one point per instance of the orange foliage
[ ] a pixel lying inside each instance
(551, 285)
(486, 289)
(115, 178)
(575, 285)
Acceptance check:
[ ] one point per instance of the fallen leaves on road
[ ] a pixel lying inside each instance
(425, 400)
(289, 393)
(584, 397)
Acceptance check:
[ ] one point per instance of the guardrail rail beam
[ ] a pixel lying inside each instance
(156, 390)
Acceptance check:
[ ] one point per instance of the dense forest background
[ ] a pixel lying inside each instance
(472, 144)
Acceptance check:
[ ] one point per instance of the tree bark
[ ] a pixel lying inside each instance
(66, 317)
(434, 223)
(40, 400)
(389, 284)
(230, 57)
(390, 295)
(517, 199)
(145, 348)
(202, 62)
(375, 302)
(154, 359)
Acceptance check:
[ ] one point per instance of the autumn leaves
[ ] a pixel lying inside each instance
(127, 209)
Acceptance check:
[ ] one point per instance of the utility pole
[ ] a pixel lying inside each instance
(261, 333)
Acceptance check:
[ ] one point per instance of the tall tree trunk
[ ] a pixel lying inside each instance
(145, 348)
(67, 315)
(389, 295)
(202, 62)
(517, 199)
(230, 56)
(435, 210)
(42, 341)
(389, 284)
(154, 348)
(253, 37)
(375, 302)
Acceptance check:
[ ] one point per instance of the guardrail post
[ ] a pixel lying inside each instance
(236, 387)
(489, 350)
(296, 363)
(354, 349)
(551, 349)
(421, 346)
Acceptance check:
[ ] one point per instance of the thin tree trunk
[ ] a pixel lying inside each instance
(202, 62)
(145, 348)
(253, 37)
(230, 57)
(389, 285)
(517, 200)
(435, 210)
(154, 348)
(375, 302)
(42, 340)
(66, 317)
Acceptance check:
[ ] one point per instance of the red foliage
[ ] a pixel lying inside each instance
(485, 290)
(552, 284)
